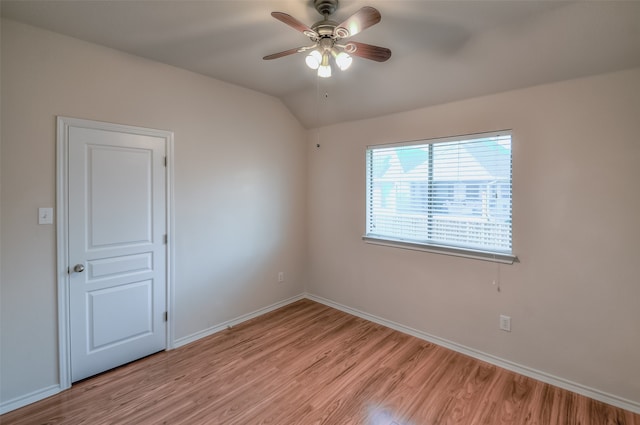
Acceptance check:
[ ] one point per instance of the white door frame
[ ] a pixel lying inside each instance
(62, 228)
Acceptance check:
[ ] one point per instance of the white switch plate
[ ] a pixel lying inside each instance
(45, 215)
(505, 323)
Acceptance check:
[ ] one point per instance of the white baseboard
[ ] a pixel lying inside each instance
(595, 394)
(224, 325)
(18, 402)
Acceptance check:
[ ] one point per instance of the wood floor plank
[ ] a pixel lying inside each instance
(308, 364)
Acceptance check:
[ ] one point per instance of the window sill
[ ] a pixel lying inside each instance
(437, 249)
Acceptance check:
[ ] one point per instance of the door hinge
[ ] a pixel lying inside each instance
(165, 161)
(166, 316)
(165, 239)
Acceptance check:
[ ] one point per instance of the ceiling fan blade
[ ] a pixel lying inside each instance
(358, 22)
(285, 53)
(293, 23)
(368, 51)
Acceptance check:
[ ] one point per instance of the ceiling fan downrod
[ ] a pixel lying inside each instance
(325, 7)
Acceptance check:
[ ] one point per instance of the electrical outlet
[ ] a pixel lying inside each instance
(505, 323)
(281, 277)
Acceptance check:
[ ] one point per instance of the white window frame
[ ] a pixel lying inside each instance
(500, 256)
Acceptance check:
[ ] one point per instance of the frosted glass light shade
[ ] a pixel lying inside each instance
(313, 59)
(343, 60)
(324, 71)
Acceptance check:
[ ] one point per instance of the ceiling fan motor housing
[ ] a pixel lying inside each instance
(325, 28)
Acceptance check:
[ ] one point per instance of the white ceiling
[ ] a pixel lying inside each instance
(442, 50)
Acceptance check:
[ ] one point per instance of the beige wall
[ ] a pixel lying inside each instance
(574, 296)
(240, 182)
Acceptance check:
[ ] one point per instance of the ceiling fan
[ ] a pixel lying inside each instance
(327, 35)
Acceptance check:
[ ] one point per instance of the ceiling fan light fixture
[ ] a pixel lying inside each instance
(324, 70)
(343, 60)
(313, 59)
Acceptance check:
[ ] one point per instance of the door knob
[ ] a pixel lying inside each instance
(78, 268)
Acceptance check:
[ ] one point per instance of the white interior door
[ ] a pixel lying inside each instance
(117, 252)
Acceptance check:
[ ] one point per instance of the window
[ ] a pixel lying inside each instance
(448, 195)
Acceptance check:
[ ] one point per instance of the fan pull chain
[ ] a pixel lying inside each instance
(496, 280)
(318, 112)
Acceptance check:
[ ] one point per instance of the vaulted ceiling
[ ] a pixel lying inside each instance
(442, 50)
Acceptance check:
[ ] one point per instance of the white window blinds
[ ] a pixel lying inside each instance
(453, 192)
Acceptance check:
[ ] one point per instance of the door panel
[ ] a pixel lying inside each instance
(117, 223)
(134, 304)
(119, 203)
(112, 267)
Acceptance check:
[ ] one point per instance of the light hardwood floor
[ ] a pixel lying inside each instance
(309, 364)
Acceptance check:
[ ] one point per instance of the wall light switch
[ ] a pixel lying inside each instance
(45, 215)
(505, 323)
